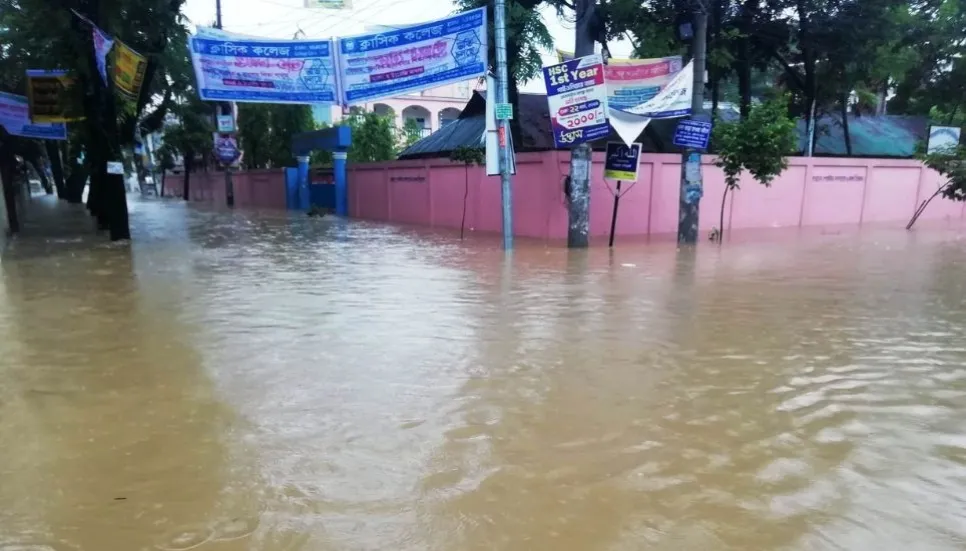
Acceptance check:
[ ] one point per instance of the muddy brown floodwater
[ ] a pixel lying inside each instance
(251, 381)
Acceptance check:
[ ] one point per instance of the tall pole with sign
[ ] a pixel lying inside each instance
(225, 109)
(499, 21)
(692, 186)
(578, 204)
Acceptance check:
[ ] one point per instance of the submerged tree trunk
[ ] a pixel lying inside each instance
(724, 199)
(57, 168)
(189, 158)
(923, 205)
(9, 190)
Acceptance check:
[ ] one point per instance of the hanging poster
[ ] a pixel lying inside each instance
(673, 101)
(129, 67)
(15, 119)
(409, 59)
(631, 82)
(578, 100)
(48, 96)
(102, 46)
(255, 70)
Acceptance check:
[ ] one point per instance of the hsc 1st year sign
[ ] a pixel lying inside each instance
(577, 99)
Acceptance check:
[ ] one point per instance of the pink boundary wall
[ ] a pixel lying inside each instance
(253, 188)
(811, 192)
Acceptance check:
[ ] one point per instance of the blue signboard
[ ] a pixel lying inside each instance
(622, 162)
(237, 68)
(692, 134)
(15, 118)
(413, 58)
(577, 99)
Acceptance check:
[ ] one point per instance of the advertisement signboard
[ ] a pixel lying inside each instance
(622, 162)
(577, 99)
(15, 119)
(255, 70)
(413, 58)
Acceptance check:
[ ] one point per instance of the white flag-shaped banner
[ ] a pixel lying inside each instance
(102, 46)
(673, 101)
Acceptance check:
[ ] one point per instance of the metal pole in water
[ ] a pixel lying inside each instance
(226, 108)
(613, 218)
(503, 125)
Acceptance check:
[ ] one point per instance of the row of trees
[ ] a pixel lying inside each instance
(830, 56)
(46, 34)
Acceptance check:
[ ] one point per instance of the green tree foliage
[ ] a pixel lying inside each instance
(411, 132)
(373, 137)
(266, 132)
(45, 34)
(526, 37)
(758, 144)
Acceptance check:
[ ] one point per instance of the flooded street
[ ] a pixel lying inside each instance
(253, 381)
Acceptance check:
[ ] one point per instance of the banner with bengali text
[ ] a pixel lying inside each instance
(129, 68)
(254, 70)
(413, 58)
(15, 119)
(49, 96)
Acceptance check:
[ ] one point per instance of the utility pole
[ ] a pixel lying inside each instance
(225, 108)
(578, 205)
(502, 93)
(692, 187)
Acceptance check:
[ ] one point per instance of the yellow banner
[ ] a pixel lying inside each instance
(48, 95)
(129, 67)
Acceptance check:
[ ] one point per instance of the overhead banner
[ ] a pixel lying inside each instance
(578, 100)
(102, 46)
(15, 119)
(129, 68)
(47, 95)
(254, 70)
(418, 57)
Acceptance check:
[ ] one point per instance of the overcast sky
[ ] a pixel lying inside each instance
(283, 18)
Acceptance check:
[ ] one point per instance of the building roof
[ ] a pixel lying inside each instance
(885, 136)
(871, 136)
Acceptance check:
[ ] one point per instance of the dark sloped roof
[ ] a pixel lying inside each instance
(886, 136)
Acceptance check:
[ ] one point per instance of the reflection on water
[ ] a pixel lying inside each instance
(260, 381)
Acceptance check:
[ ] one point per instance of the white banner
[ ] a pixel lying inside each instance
(102, 46)
(409, 59)
(672, 102)
(15, 119)
(256, 70)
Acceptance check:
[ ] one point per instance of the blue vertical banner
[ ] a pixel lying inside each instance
(578, 100)
(254, 70)
(417, 57)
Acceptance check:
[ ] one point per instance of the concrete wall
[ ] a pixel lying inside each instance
(253, 188)
(811, 192)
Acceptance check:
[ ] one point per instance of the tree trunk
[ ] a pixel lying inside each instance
(743, 62)
(57, 168)
(189, 158)
(9, 190)
(724, 198)
(922, 207)
(845, 125)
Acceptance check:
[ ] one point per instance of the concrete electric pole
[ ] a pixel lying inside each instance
(578, 205)
(692, 186)
(502, 93)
